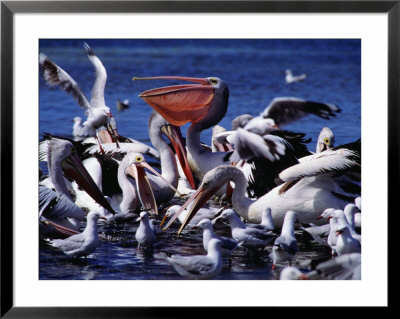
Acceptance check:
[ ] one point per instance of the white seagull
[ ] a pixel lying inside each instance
(227, 244)
(345, 267)
(285, 246)
(145, 234)
(247, 237)
(290, 78)
(200, 266)
(345, 243)
(82, 244)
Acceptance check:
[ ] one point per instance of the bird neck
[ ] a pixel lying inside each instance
(58, 180)
(91, 226)
(169, 169)
(129, 196)
(288, 227)
(236, 222)
(240, 202)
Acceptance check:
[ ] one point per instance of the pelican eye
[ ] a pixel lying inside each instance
(326, 140)
(138, 159)
(213, 81)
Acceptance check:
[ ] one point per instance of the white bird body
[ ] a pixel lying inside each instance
(145, 234)
(290, 78)
(345, 243)
(248, 237)
(200, 266)
(227, 244)
(285, 246)
(203, 213)
(82, 244)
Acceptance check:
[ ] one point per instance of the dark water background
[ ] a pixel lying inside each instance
(254, 73)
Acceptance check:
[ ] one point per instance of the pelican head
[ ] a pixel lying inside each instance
(63, 159)
(204, 102)
(326, 140)
(212, 182)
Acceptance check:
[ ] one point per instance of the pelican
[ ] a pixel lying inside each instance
(290, 78)
(324, 180)
(57, 205)
(326, 140)
(203, 104)
(163, 186)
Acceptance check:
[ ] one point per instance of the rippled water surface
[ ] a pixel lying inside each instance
(254, 73)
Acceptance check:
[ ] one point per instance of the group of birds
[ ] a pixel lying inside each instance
(264, 177)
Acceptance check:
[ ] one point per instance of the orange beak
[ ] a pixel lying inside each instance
(180, 104)
(199, 198)
(175, 136)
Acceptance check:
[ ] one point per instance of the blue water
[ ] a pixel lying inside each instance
(254, 73)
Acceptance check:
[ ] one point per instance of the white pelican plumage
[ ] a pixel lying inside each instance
(57, 205)
(327, 179)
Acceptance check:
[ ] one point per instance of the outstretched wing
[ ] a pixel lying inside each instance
(284, 110)
(56, 76)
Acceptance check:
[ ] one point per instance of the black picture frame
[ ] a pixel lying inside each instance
(9, 8)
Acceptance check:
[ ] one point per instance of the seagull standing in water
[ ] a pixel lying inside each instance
(345, 243)
(227, 244)
(145, 234)
(248, 237)
(84, 243)
(285, 246)
(200, 266)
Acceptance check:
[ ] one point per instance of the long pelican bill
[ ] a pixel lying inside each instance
(146, 165)
(73, 168)
(180, 104)
(175, 136)
(199, 198)
(145, 192)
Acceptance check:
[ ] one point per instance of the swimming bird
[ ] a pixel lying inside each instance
(345, 243)
(290, 78)
(81, 244)
(248, 237)
(145, 234)
(285, 246)
(267, 223)
(309, 188)
(345, 267)
(227, 244)
(200, 266)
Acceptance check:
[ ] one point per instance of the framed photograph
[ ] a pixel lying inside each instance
(340, 58)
